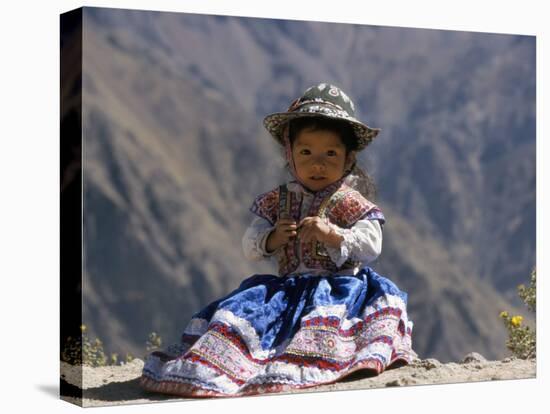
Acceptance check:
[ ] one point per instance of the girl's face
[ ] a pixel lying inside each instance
(319, 157)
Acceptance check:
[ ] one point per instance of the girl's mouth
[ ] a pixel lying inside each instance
(316, 178)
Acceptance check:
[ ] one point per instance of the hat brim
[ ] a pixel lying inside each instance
(276, 122)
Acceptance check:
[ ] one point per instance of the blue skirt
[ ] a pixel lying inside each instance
(274, 334)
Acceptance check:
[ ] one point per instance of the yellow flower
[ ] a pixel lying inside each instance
(516, 320)
(503, 314)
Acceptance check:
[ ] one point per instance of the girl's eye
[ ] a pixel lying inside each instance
(305, 152)
(331, 153)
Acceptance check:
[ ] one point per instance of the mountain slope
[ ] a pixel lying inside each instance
(174, 153)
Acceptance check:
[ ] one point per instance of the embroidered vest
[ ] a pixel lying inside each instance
(341, 204)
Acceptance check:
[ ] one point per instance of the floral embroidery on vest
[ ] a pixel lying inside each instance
(266, 205)
(339, 203)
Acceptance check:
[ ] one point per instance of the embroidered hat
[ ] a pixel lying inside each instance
(323, 100)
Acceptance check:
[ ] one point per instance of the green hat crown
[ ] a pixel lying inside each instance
(326, 94)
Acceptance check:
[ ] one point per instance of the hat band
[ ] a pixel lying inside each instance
(298, 104)
(323, 108)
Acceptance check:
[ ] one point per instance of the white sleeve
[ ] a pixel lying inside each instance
(362, 242)
(254, 239)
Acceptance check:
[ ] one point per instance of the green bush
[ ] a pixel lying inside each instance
(153, 342)
(85, 351)
(521, 338)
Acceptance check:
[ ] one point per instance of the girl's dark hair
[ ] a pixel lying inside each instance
(342, 128)
(359, 179)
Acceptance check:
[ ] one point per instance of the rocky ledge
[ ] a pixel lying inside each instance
(117, 385)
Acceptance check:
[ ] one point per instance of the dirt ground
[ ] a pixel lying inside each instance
(118, 385)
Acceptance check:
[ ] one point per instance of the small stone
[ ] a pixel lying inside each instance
(473, 357)
(394, 383)
(431, 363)
(508, 360)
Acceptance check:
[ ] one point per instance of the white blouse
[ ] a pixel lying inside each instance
(362, 242)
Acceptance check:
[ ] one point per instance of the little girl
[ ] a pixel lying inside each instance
(327, 314)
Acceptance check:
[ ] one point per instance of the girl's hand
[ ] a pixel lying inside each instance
(313, 228)
(285, 229)
(316, 228)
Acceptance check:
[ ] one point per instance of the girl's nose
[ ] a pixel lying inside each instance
(318, 167)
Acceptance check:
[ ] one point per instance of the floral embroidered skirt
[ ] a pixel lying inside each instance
(275, 334)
